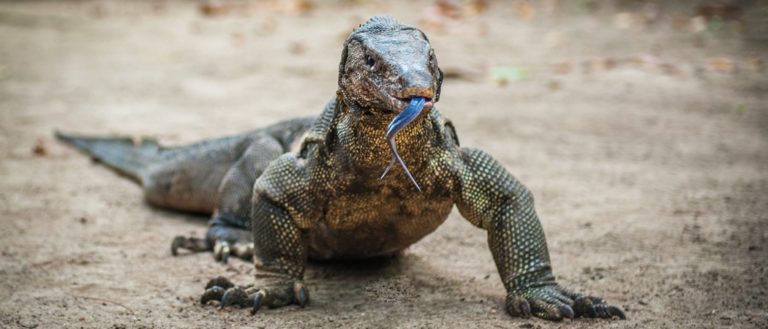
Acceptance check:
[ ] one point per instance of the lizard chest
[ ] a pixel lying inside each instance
(376, 221)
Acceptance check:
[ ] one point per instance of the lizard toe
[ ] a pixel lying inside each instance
(518, 306)
(606, 311)
(595, 307)
(235, 296)
(192, 244)
(212, 293)
(547, 302)
(554, 311)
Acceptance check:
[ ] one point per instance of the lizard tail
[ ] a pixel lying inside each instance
(125, 155)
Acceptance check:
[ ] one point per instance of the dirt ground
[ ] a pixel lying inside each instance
(640, 127)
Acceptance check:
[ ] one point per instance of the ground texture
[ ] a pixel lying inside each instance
(640, 127)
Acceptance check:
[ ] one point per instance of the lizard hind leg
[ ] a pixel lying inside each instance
(229, 232)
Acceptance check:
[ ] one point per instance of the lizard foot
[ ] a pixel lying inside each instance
(222, 240)
(277, 295)
(556, 303)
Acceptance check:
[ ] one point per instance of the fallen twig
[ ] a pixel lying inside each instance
(108, 301)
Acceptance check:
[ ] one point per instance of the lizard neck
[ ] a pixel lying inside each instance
(361, 136)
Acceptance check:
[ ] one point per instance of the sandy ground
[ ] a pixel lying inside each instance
(641, 130)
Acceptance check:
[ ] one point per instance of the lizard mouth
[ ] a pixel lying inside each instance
(398, 104)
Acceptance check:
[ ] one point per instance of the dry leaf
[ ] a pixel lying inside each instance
(298, 6)
(722, 65)
(297, 48)
(457, 73)
(647, 61)
(448, 8)
(635, 60)
(214, 8)
(562, 68)
(269, 25)
(554, 85)
(624, 20)
(698, 24)
(476, 7)
(502, 75)
(40, 148)
(159, 8)
(524, 10)
(680, 21)
(602, 64)
(354, 2)
(651, 12)
(98, 11)
(670, 69)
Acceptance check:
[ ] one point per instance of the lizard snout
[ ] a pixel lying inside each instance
(416, 83)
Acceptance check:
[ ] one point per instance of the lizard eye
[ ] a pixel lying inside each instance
(370, 61)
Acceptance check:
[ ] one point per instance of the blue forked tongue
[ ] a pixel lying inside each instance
(410, 113)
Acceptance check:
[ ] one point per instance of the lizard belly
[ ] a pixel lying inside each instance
(360, 225)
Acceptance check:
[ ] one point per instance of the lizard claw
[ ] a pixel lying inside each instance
(555, 311)
(555, 303)
(594, 307)
(300, 294)
(258, 300)
(566, 311)
(221, 251)
(176, 244)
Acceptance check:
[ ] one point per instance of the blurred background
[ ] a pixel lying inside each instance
(640, 126)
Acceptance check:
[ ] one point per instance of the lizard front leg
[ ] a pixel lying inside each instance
(280, 256)
(489, 197)
(280, 245)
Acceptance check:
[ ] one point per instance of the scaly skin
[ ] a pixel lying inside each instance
(326, 200)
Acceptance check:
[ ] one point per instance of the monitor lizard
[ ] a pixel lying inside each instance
(312, 188)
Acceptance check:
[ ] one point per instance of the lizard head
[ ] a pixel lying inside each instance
(385, 64)
(388, 67)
